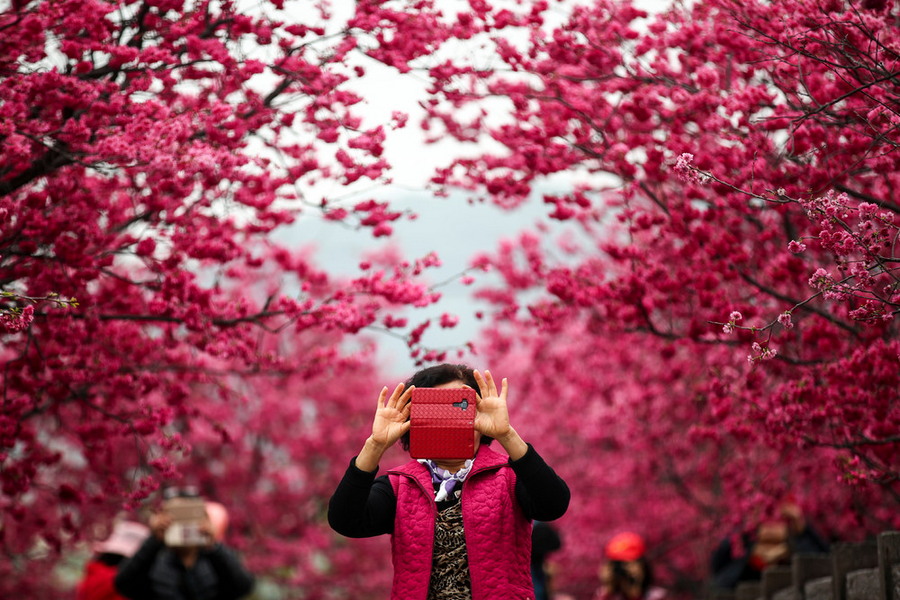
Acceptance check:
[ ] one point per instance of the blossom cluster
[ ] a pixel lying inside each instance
(154, 154)
(14, 320)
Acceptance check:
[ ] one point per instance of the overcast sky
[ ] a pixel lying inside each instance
(452, 227)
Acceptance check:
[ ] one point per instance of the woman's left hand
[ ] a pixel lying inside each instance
(492, 414)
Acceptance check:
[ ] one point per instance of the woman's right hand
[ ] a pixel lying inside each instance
(159, 523)
(391, 416)
(391, 422)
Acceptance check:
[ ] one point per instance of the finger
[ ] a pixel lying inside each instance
(504, 388)
(405, 400)
(407, 394)
(381, 397)
(395, 395)
(484, 424)
(482, 385)
(478, 424)
(492, 387)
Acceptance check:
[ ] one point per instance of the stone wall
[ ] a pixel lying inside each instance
(850, 571)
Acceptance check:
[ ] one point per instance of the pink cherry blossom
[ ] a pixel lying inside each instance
(153, 158)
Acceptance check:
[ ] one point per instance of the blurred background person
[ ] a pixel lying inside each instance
(772, 542)
(545, 539)
(190, 563)
(101, 568)
(625, 573)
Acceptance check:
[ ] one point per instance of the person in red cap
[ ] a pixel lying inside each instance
(625, 573)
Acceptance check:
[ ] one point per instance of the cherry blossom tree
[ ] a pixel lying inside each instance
(151, 329)
(714, 332)
(718, 331)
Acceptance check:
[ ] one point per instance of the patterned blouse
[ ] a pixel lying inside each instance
(450, 563)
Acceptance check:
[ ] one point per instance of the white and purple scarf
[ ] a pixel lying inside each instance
(444, 477)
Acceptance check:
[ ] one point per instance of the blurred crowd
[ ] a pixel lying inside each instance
(495, 541)
(181, 554)
(625, 570)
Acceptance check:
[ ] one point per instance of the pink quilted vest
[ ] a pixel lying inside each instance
(498, 536)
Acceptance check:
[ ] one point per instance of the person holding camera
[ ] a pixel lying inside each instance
(626, 574)
(460, 528)
(185, 558)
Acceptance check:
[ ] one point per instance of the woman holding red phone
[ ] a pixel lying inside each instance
(460, 528)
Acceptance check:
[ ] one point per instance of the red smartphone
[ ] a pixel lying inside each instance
(442, 423)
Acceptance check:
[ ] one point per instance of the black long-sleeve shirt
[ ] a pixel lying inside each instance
(155, 572)
(364, 505)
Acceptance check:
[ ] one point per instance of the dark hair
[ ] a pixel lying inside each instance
(187, 491)
(622, 578)
(439, 375)
(110, 559)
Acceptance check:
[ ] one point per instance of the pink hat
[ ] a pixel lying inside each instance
(125, 539)
(625, 546)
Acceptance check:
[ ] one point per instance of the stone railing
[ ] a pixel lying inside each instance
(850, 571)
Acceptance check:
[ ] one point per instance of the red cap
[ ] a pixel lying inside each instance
(625, 546)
